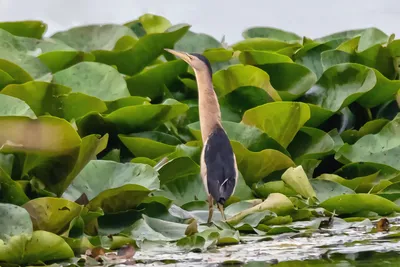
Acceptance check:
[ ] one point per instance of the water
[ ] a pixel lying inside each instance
(342, 244)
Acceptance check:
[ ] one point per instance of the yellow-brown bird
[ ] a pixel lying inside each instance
(218, 162)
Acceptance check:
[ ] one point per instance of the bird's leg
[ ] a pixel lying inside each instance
(210, 208)
(221, 209)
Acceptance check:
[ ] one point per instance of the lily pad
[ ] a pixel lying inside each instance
(52, 214)
(41, 246)
(280, 120)
(142, 53)
(40, 96)
(93, 37)
(25, 28)
(327, 189)
(12, 106)
(383, 147)
(123, 186)
(256, 165)
(271, 33)
(151, 82)
(85, 77)
(226, 81)
(14, 221)
(353, 203)
(297, 179)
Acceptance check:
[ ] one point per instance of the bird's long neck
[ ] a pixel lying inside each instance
(209, 111)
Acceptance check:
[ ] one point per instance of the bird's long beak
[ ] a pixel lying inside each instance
(181, 55)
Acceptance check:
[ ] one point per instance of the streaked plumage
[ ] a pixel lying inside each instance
(218, 162)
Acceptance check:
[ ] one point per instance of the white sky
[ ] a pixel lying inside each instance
(313, 18)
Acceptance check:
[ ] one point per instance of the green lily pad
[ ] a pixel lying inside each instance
(5, 79)
(12, 106)
(142, 53)
(12, 72)
(256, 165)
(326, 189)
(265, 189)
(226, 81)
(264, 44)
(193, 42)
(131, 118)
(25, 28)
(280, 120)
(151, 82)
(353, 203)
(150, 144)
(150, 23)
(371, 127)
(41, 246)
(52, 214)
(184, 190)
(383, 147)
(14, 221)
(341, 85)
(250, 137)
(392, 192)
(297, 179)
(271, 33)
(156, 230)
(60, 60)
(123, 186)
(46, 133)
(93, 37)
(85, 77)
(311, 143)
(40, 96)
(11, 191)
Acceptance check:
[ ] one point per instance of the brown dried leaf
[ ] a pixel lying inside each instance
(383, 225)
(82, 200)
(96, 253)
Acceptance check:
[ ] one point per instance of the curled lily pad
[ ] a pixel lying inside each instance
(40, 246)
(52, 214)
(25, 28)
(280, 120)
(134, 58)
(123, 186)
(353, 203)
(242, 76)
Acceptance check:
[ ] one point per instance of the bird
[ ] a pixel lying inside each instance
(218, 167)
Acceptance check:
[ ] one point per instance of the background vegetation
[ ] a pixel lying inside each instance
(87, 115)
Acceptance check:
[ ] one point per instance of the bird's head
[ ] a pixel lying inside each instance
(197, 61)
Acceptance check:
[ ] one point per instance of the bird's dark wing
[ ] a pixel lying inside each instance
(220, 165)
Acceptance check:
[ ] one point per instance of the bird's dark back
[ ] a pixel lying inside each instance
(220, 165)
